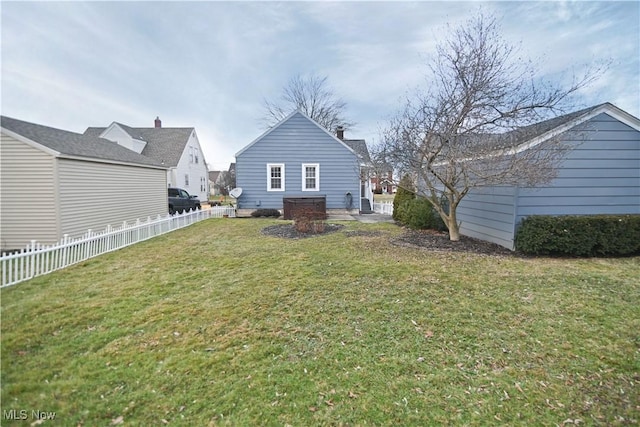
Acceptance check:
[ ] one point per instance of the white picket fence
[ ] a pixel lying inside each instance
(37, 259)
(385, 208)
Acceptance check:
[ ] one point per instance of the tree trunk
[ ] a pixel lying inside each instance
(452, 225)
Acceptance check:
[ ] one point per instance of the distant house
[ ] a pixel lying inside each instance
(177, 148)
(54, 182)
(382, 182)
(298, 158)
(601, 175)
(215, 178)
(221, 182)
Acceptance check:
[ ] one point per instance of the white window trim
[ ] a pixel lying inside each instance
(304, 176)
(269, 166)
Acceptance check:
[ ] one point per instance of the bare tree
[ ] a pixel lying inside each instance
(312, 96)
(463, 132)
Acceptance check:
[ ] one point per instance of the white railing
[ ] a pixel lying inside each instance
(385, 208)
(37, 259)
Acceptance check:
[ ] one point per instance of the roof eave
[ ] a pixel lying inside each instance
(607, 108)
(109, 161)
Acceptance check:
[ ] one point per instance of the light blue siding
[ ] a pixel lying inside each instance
(488, 214)
(599, 176)
(294, 142)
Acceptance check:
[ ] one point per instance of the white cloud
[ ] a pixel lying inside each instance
(210, 64)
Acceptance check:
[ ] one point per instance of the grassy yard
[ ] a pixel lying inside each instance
(217, 324)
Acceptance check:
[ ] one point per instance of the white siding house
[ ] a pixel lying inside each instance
(54, 182)
(600, 175)
(177, 148)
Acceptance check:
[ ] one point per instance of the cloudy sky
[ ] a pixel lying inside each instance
(210, 65)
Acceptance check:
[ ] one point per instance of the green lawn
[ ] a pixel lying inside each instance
(217, 324)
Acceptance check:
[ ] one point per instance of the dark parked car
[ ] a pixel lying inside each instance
(180, 201)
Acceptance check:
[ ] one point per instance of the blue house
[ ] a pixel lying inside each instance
(600, 175)
(299, 159)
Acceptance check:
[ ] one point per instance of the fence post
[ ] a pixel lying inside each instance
(30, 262)
(65, 240)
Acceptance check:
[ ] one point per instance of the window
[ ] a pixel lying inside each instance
(195, 153)
(190, 154)
(186, 179)
(310, 177)
(275, 177)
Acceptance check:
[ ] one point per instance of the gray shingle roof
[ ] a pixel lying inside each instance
(474, 144)
(360, 148)
(535, 130)
(163, 144)
(74, 144)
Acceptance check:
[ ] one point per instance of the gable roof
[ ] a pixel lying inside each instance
(540, 132)
(526, 137)
(281, 122)
(164, 145)
(62, 143)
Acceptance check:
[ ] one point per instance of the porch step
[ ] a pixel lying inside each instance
(366, 206)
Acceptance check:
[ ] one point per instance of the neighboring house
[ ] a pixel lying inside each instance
(600, 175)
(54, 182)
(299, 158)
(383, 183)
(177, 148)
(214, 182)
(221, 182)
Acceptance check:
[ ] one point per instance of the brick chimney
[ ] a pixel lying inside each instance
(340, 132)
(158, 122)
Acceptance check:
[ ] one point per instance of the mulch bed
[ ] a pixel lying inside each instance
(439, 241)
(422, 239)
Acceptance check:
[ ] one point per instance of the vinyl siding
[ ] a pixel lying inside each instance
(295, 142)
(196, 171)
(94, 195)
(600, 176)
(488, 214)
(27, 195)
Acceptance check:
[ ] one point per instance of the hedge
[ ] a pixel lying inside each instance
(585, 235)
(275, 213)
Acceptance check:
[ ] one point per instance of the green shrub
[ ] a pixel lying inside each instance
(587, 235)
(405, 193)
(419, 214)
(275, 213)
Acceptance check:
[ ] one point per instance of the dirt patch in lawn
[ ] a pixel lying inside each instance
(439, 241)
(288, 231)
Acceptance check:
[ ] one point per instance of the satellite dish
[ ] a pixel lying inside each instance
(236, 192)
